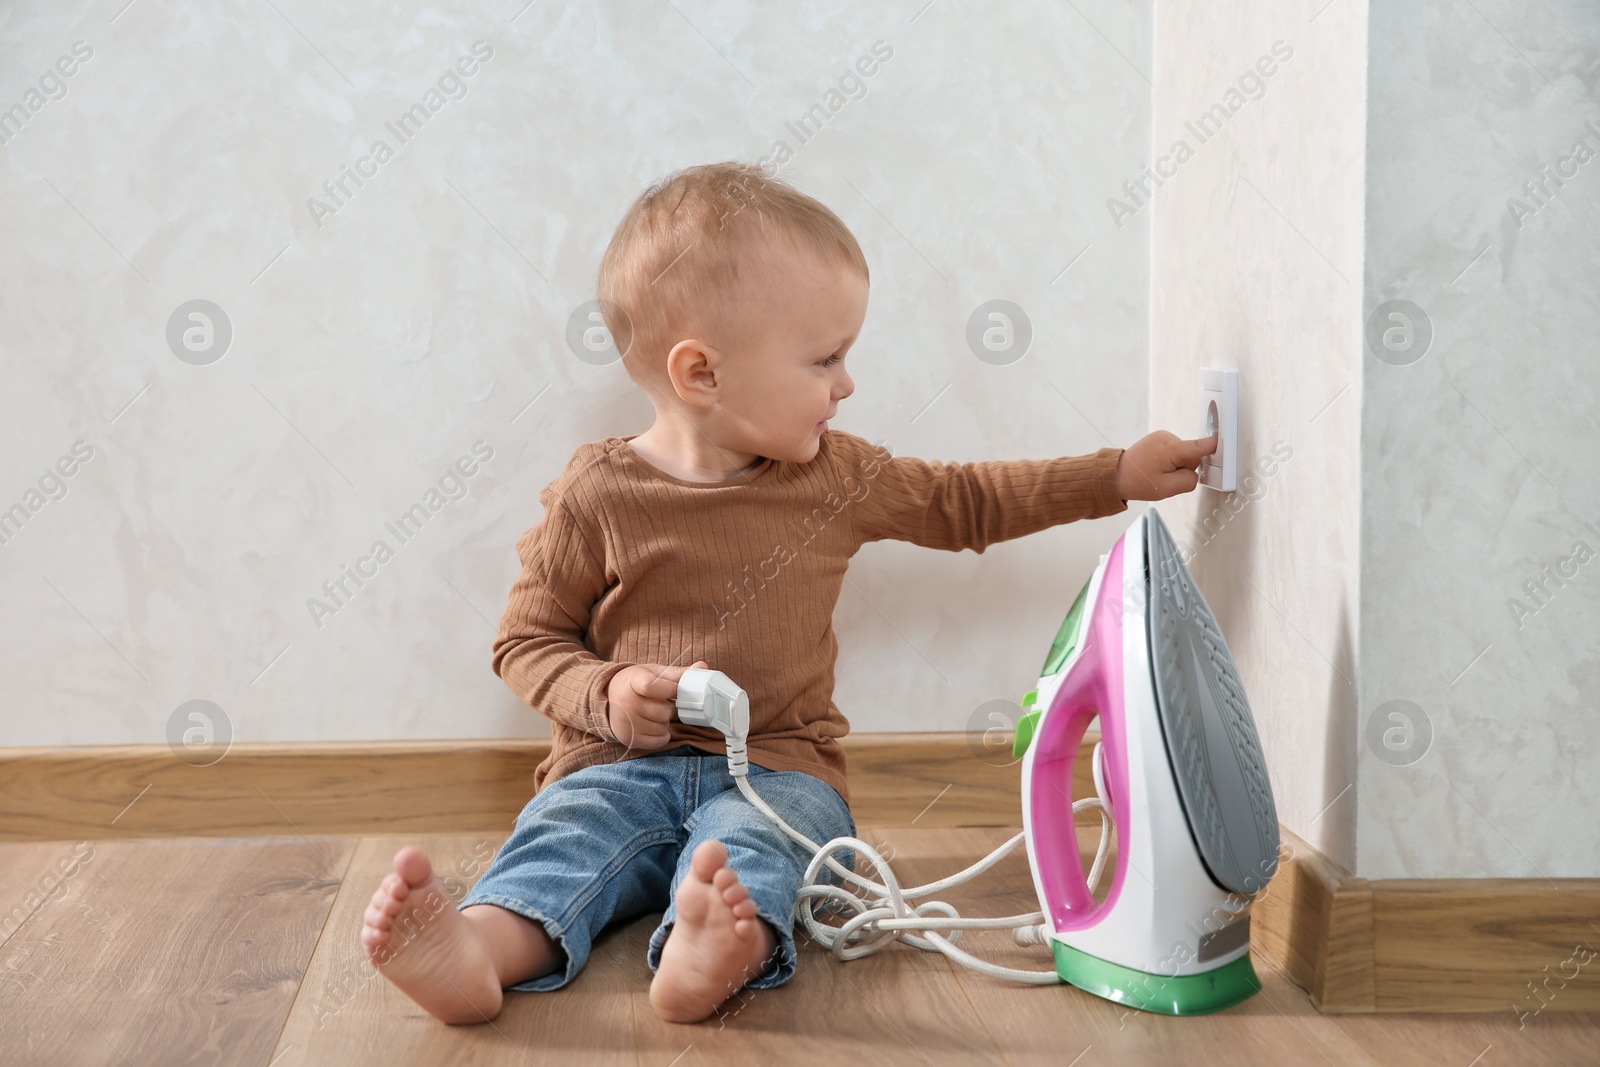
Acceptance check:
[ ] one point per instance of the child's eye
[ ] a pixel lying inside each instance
(831, 360)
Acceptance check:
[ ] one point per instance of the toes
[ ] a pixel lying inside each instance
(709, 857)
(745, 909)
(411, 865)
(734, 893)
(385, 905)
(724, 878)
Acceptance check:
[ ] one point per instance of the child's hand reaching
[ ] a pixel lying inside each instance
(1160, 465)
(641, 703)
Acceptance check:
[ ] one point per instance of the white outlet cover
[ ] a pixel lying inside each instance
(1219, 414)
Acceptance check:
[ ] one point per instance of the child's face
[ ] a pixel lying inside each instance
(786, 374)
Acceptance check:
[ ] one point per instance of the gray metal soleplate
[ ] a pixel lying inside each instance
(1210, 735)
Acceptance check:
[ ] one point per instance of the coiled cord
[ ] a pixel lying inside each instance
(887, 914)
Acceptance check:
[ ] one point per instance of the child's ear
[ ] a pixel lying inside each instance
(692, 371)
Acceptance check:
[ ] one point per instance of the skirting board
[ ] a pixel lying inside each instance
(1402, 945)
(144, 791)
(1524, 945)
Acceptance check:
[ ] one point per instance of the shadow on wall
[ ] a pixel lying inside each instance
(1224, 547)
(1337, 823)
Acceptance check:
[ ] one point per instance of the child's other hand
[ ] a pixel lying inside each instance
(642, 703)
(1160, 465)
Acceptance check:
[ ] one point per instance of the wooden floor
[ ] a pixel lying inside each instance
(246, 951)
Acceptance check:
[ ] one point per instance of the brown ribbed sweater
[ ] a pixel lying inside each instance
(633, 565)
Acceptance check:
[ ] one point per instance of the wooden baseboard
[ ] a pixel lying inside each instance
(1402, 945)
(144, 791)
(1314, 921)
(1524, 945)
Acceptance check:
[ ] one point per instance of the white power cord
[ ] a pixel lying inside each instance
(710, 698)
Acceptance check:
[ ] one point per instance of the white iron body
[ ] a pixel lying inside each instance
(1164, 915)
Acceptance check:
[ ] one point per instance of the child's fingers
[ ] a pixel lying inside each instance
(661, 683)
(642, 733)
(635, 721)
(648, 734)
(658, 711)
(1190, 453)
(654, 706)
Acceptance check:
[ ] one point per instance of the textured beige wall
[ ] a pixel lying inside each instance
(1256, 265)
(383, 334)
(1480, 513)
(1438, 518)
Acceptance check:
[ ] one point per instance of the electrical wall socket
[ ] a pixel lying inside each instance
(1219, 414)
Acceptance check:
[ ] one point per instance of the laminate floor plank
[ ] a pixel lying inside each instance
(347, 1013)
(247, 951)
(899, 1006)
(165, 952)
(1489, 1039)
(33, 876)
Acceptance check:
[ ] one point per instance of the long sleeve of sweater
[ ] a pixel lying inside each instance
(540, 651)
(954, 506)
(630, 564)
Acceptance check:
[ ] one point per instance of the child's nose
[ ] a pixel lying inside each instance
(847, 386)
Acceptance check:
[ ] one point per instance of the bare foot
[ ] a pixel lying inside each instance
(717, 944)
(417, 939)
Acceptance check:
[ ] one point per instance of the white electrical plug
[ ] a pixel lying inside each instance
(711, 698)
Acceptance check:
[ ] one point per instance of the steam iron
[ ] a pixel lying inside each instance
(1179, 766)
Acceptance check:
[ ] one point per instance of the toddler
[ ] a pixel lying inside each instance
(717, 538)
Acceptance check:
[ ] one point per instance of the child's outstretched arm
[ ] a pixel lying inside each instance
(953, 506)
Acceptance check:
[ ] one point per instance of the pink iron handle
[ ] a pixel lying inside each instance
(1093, 686)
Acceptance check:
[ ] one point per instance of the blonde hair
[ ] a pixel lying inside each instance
(690, 244)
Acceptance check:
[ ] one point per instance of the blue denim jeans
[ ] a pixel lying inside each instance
(611, 842)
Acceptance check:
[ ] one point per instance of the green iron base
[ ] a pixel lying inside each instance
(1186, 994)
